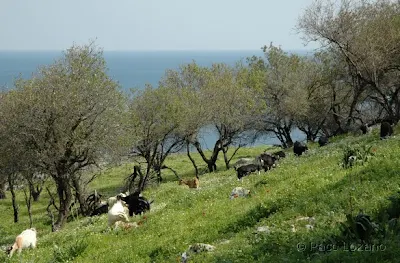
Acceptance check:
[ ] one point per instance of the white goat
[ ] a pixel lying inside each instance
(113, 199)
(24, 240)
(118, 212)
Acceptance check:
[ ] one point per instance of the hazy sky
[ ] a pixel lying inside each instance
(150, 24)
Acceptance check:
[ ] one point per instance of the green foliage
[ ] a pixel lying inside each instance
(356, 155)
(68, 253)
(393, 210)
(365, 35)
(359, 227)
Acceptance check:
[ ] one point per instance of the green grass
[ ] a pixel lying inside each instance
(311, 185)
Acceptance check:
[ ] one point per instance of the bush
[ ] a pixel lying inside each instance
(356, 155)
(360, 227)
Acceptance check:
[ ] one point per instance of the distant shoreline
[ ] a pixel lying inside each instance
(152, 51)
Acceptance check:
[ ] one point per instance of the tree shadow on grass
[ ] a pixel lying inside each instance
(250, 219)
(325, 246)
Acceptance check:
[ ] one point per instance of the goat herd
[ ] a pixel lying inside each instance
(267, 161)
(118, 207)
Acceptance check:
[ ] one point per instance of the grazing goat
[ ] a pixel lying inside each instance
(299, 148)
(137, 204)
(244, 161)
(24, 240)
(323, 140)
(279, 154)
(117, 213)
(386, 130)
(247, 169)
(192, 183)
(267, 161)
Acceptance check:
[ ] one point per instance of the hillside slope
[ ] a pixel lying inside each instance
(313, 185)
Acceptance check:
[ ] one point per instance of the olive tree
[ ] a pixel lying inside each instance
(187, 83)
(284, 91)
(233, 106)
(366, 34)
(154, 118)
(15, 159)
(219, 97)
(67, 117)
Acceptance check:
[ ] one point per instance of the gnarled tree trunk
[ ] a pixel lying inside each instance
(65, 197)
(2, 190)
(191, 159)
(13, 198)
(211, 163)
(80, 195)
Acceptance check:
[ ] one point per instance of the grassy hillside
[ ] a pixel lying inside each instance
(313, 185)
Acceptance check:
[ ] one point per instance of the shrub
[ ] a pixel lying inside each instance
(360, 227)
(353, 155)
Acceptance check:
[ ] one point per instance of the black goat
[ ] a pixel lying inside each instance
(247, 169)
(386, 130)
(323, 140)
(279, 154)
(136, 204)
(299, 148)
(102, 209)
(267, 161)
(364, 128)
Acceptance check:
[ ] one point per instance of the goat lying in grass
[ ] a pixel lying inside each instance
(137, 204)
(102, 208)
(113, 199)
(118, 212)
(192, 183)
(24, 240)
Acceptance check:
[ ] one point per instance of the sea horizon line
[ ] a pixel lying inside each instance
(154, 50)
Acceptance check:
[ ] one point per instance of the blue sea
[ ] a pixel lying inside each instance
(132, 69)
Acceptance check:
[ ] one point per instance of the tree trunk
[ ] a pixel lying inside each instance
(132, 178)
(2, 190)
(278, 135)
(191, 159)
(65, 197)
(211, 163)
(159, 177)
(142, 180)
(226, 160)
(288, 137)
(80, 195)
(49, 212)
(13, 198)
(28, 202)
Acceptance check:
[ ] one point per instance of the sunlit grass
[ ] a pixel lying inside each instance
(310, 185)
